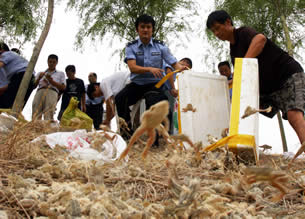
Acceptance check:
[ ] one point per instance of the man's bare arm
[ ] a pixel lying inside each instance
(110, 110)
(256, 47)
(171, 80)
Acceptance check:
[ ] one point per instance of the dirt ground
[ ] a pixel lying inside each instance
(39, 182)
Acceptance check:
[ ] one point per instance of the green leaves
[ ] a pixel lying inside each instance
(270, 17)
(20, 19)
(117, 17)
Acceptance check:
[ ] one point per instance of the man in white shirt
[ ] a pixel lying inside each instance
(50, 84)
(109, 88)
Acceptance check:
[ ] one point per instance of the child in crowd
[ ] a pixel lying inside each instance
(225, 70)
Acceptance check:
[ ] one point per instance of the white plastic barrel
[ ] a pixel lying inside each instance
(209, 96)
(245, 93)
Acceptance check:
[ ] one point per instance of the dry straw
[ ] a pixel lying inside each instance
(170, 183)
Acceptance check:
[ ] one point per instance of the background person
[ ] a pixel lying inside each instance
(224, 69)
(50, 83)
(12, 69)
(74, 88)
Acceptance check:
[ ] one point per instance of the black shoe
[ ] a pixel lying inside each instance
(126, 134)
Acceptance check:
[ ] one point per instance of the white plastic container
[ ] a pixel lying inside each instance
(209, 95)
(245, 93)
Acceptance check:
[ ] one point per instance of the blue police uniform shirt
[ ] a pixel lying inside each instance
(151, 55)
(13, 63)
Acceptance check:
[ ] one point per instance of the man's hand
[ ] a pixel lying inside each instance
(174, 92)
(157, 72)
(41, 75)
(48, 77)
(178, 67)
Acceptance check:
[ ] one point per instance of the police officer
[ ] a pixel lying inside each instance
(12, 69)
(144, 57)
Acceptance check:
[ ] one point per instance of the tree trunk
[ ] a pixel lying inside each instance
(284, 142)
(287, 35)
(285, 27)
(289, 48)
(290, 52)
(19, 100)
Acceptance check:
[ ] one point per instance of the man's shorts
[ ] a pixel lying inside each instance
(290, 97)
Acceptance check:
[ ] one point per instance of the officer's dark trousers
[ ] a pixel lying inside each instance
(8, 97)
(134, 92)
(95, 111)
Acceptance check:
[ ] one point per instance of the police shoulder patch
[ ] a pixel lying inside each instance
(132, 42)
(158, 41)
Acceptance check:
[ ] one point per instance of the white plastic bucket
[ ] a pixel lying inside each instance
(209, 95)
(245, 93)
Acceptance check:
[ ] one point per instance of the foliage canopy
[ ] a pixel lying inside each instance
(270, 17)
(20, 19)
(117, 17)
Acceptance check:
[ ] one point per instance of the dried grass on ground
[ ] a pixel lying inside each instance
(38, 181)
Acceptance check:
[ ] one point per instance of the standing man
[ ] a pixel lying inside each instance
(94, 106)
(281, 78)
(12, 69)
(74, 88)
(50, 83)
(144, 57)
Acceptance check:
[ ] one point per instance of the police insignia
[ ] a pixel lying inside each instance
(156, 53)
